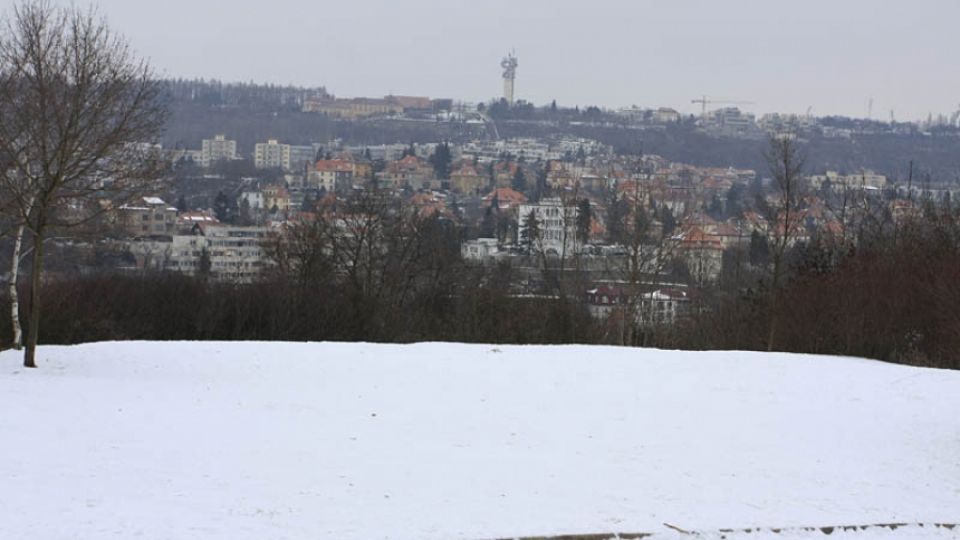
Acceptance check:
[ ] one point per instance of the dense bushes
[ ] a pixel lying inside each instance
(895, 299)
(176, 307)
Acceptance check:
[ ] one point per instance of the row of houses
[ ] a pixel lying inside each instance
(159, 238)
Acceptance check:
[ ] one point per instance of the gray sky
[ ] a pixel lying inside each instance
(831, 55)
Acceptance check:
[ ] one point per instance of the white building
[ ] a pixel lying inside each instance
(271, 155)
(653, 305)
(147, 216)
(481, 249)
(233, 253)
(666, 115)
(557, 223)
(254, 199)
(217, 149)
(863, 180)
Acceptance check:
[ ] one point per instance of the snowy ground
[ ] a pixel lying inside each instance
(436, 441)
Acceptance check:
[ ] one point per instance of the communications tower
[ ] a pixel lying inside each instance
(509, 65)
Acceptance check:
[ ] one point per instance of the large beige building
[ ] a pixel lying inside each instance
(148, 216)
(226, 252)
(217, 149)
(272, 155)
(353, 108)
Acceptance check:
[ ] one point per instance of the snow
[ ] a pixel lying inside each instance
(440, 441)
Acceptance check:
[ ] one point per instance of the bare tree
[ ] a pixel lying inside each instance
(648, 251)
(786, 166)
(79, 118)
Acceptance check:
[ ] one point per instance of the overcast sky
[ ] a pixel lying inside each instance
(831, 55)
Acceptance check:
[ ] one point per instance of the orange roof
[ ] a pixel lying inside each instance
(466, 169)
(333, 165)
(695, 238)
(506, 195)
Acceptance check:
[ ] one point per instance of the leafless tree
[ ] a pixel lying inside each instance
(79, 118)
(786, 167)
(649, 251)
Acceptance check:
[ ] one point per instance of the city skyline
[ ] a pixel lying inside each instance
(822, 57)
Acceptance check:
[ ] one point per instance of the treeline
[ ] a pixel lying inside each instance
(896, 302)
(251, 96)
(934, 156)
(179, 307)
(365, 269)
(894, 295)
(371, 269)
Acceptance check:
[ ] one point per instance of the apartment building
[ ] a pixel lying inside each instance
(271, 155)
(217, 149)
(224, 252)
(149, 216)
(557, 223)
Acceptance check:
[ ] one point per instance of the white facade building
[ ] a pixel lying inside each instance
(233, 253)
(557, 223)
(217, 149)
(481, 249)
(272, 155)
(862, 180)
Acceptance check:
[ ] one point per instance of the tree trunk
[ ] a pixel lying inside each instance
(774, 301)
(14, 294)
(29, 355)
(771, 336)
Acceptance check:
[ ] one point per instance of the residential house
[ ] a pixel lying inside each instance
(468, 178)
(331, 175)
(410, 171)
(276, 197)
(148, 216)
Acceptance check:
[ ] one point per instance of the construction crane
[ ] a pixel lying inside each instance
(703, 101)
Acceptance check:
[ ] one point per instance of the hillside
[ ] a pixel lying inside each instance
(439, 441)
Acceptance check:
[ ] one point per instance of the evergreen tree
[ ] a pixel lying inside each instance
(519, 181)
(616, 214)
(541, 188)
(584, 218)
(669, 222)
(530, 232)
(759, 249)
(715, 208)
(308, 203)
(441, 160)
(182, 204)
(245, 217)
(488, 225)
(735, 201)
(205, 264)
(221, 207)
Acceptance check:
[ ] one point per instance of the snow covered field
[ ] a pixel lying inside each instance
(437, 441)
